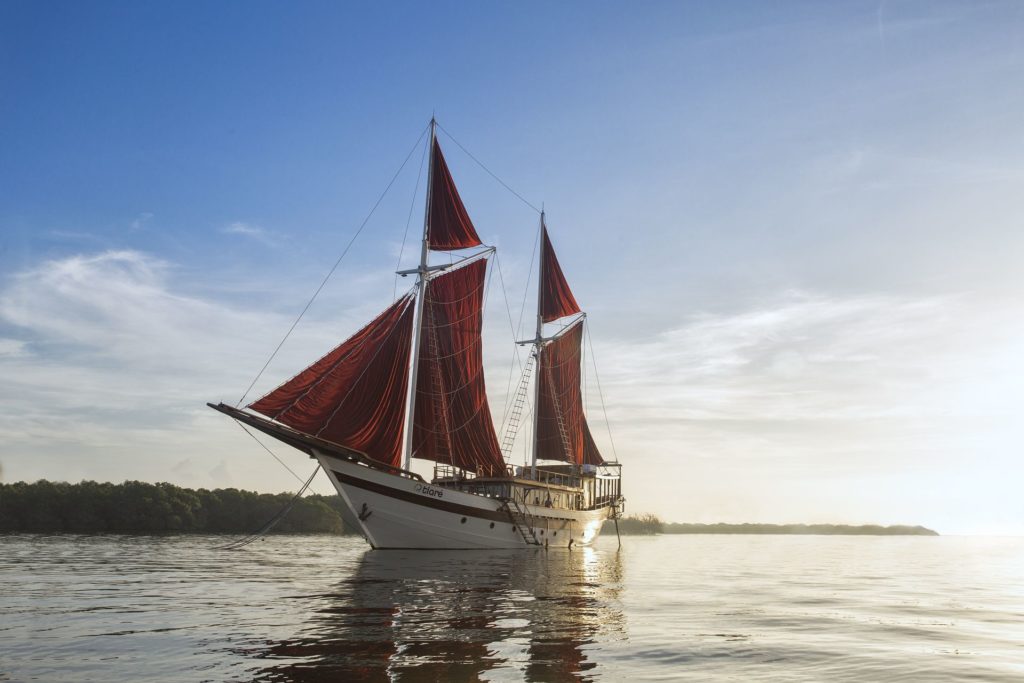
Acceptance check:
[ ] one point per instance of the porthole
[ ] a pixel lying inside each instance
(541, 532)
(463, 520)
(492, 525)
(555, 533)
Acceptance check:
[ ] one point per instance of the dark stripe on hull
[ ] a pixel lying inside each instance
(438, 504)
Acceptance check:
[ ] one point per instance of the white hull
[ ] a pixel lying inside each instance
(398, 512)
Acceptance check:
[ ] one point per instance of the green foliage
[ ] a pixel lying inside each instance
(135, 506)
(642, 525)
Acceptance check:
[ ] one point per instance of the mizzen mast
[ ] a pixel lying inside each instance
(560, 430)
(537, 338)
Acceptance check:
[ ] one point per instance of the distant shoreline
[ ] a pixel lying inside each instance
(139, 507)
(801, 529)
(648, 525)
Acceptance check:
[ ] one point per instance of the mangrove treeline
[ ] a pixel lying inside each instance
(138, 507)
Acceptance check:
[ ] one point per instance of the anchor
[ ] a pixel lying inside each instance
(364, 513)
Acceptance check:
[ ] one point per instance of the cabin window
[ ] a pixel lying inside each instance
(463, 520)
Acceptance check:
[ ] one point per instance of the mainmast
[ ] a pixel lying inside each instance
(421, 291)
(536, 348)
(360, 393)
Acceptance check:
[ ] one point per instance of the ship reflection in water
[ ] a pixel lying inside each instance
(444, 615)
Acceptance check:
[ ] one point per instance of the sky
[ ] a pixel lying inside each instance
(795, 226)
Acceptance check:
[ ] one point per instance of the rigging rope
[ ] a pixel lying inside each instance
(515, 347)
(510, 403)
(593, 360)
(489, 171)
(264, 446)
(326, 373)
(583, 374)
(519, 326)
(408, 220)
(333, 268)
(529, 278)
(266, 528)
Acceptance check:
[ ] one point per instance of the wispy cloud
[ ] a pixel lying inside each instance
(140, 221)
(253, 232)
(107, 364)
(761, 410)
(120, 367)
(12, 347)
(810, 356)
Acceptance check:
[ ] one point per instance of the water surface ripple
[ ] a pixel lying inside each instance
(320, 608)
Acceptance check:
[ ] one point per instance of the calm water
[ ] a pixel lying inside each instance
(315, 608)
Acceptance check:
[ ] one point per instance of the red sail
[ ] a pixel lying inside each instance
(560, 396)
(556, 299)
(453, 420)
(449, 226)
(355, 395)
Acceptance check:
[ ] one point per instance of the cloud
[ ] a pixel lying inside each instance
(107, 367)
(141, 220)
(12, 347)
(760, 412)
(880, 407)
(252, 232)
(221, 473)
(785, 376)
(115, 307)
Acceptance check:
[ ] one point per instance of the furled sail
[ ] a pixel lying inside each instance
(562, 429)
(452, 417)
(355, 395)
(556, 299)
(448, 225)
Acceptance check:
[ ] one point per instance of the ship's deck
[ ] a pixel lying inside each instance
(562, 486)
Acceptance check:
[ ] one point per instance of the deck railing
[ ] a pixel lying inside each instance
(602, 486)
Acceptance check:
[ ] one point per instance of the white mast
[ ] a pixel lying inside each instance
(421, 292)
(536, 349)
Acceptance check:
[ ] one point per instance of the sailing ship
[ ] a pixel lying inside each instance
(410, 384)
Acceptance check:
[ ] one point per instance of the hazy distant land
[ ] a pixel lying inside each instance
(648, 524)
(138, 507)
(809, 529)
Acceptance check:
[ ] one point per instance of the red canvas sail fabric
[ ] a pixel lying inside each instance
(453, 420)
(556, 299)
(560, 377)
(355, 395)
(449, 226)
